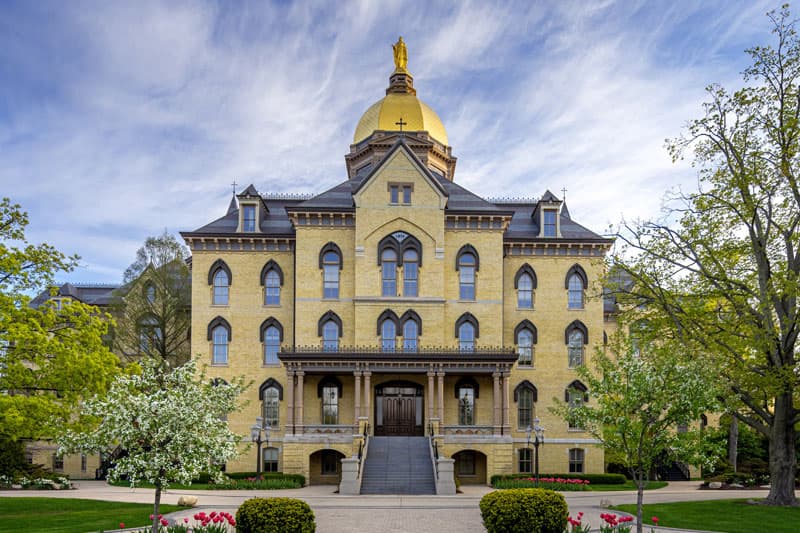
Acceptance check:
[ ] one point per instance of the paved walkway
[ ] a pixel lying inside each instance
(392, 514)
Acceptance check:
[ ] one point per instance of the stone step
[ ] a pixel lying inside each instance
(398, 465)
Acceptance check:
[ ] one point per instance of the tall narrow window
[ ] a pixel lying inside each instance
(249, 218)
(575, 395)
(150, 335)
(394, 194)
(221, 288)
(466, 406)
(575, 292)
(330, 404)
(466, 276)
(550, 229)
(410, 334)
(150, 293)
(330, 267)
(220, 345)
(524, 408)
(272, 344)
(407, 194)
(388, 336)
(576, 459)
(270, 407)
(466, 337)
(389, 273)
(525, 460)
(525, 292)
(575, 348)
(410, 272)
(525, 347)
(272, 288)
(330, 336)
(270, 458)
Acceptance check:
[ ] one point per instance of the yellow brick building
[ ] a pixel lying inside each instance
(397, 304)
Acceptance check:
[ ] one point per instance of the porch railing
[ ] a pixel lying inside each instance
(468, 430)
(328, 429)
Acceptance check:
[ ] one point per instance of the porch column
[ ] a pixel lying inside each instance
(357, 398)
(497, 404)
(290, 402)
(368, 396)
(440, 375)
(506, 403)
(429, 396)
(299, 403)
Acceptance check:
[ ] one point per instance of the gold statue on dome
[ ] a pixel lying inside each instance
(400, 55)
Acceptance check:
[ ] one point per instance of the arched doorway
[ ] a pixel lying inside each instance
(325, 467)
(399, 409)
(470, 467)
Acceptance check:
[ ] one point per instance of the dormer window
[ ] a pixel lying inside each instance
(249, 218)
(549, 221)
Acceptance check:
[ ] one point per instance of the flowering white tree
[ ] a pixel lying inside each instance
(170, 423)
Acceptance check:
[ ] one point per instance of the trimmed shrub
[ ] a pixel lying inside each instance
(275, 515)
(593, 479)
(297, 478)
(524, 511)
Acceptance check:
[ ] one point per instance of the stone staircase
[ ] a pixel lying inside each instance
(398, 465)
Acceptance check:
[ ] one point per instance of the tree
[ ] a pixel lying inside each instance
(170, 422)
(51, 357)
(723, 267)
(153, 307)
(640, 402)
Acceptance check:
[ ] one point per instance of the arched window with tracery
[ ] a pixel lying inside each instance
(219, 276)
(576, 284)
(576, 337)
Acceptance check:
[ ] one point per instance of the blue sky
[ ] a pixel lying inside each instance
(120, 119)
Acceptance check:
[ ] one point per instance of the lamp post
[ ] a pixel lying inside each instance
(256, 431)
(538, 438)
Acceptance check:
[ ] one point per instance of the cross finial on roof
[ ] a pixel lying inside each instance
(563, 194)
(234, 186)
(401, 123)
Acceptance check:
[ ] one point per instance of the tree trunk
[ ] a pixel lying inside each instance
(782, 458)
(156, 505)
(733, 441)
(640, 482)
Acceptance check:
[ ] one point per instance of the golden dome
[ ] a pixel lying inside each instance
(387, 112)
(400, 106)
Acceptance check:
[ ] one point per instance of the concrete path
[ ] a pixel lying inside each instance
(391, 514)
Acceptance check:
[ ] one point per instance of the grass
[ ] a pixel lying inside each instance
(629, 485)
(730, 516)
(66, 515)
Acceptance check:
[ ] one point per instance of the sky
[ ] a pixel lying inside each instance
(121, 119)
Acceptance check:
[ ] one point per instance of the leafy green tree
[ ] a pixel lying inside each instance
(152, 309)
(639, 403)
(50, 357)
(170, 422)
(722, 268)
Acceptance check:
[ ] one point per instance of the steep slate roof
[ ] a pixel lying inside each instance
(89, 293)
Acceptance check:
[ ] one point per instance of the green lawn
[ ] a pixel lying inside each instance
(629, 485)
(730, 516)
(65, 515)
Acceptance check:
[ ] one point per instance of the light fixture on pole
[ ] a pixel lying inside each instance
(538, 438)
(256, 431)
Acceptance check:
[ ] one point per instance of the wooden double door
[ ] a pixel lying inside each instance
(398, 409)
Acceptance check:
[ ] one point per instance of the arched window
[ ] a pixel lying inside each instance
(388, 335)
(410, 272)
(272, 280)
(330, 261)
(389, 273)
(220, 339)
(410, 336)
(467, 332)
(467, 264)
(330, 329)
(576, 336)
(525, 283)
(576, 283)
(576, 459)
(525, 395)
(466, 404)
(525, 337)
(221, 287)
(150, 293)
(576, 394)
(271, 394)
(272, 343)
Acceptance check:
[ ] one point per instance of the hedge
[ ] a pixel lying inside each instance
(299, 478)
(593, 479)
(275, 515)
(524, 511)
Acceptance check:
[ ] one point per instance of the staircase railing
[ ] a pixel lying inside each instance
(434, 451)
(362, 450)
